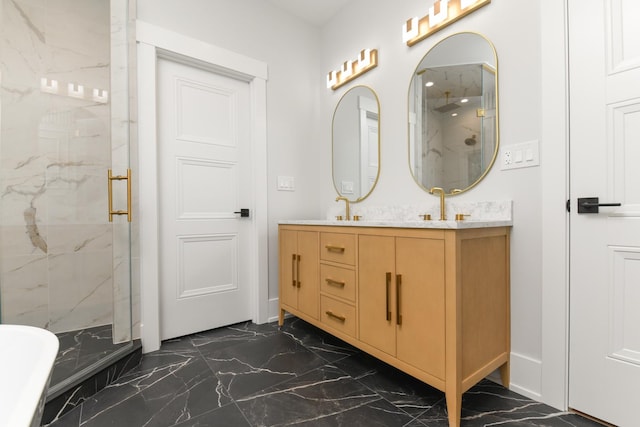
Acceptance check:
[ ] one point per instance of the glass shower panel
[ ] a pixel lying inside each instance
(63, 123)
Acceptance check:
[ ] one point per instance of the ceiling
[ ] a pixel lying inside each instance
(316, 12)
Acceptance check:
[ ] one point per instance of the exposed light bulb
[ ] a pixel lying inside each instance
(410, 29)
(443, 13)
(364, 59)
(347, 69)
(332, 78)
(466, 3)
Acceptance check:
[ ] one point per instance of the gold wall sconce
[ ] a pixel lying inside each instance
(441, 14)
(367, 60)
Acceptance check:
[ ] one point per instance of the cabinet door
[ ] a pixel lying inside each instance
(308, 273)
(376, 296)
(420, 291)
(288, 250)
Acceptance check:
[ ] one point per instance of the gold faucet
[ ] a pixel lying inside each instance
(433, 190)
(347, 214)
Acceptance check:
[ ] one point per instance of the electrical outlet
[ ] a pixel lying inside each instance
(507, 157)
(520, 155)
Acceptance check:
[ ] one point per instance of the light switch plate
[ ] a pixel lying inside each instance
(286, 183)
(520, 155)
(347, 187)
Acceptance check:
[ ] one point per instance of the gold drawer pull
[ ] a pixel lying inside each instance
(335, 283)
(398, 285)
(335, 316)
(388, 288)
(293, 270)
(332, 248)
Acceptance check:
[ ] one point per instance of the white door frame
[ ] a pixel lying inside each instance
(154, 42)
(554, 157)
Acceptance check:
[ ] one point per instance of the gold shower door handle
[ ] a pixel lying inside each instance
(110, 180)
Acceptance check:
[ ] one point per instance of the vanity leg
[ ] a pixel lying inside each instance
(281, 318)
(454, 408)
(505, 373)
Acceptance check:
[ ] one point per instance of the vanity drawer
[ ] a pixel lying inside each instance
(338, 247)
(338, 315)
(338, 281)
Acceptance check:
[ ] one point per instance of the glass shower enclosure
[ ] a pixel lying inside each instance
(64, 124)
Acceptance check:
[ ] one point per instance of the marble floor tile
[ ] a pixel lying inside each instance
(172, 388)
(250, 375)
(402, 390)
(247, 368)
(323, 344)
(323, 397)
(228, 415)
(217, 339)
(80, 349)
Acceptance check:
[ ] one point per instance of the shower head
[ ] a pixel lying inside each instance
(470, 141)
(447, 106)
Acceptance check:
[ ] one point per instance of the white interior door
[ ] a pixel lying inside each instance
(204, 160)
(604, 361)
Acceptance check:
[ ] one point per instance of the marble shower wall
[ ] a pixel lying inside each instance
(56, 262)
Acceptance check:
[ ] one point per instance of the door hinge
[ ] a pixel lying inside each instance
(569, 205)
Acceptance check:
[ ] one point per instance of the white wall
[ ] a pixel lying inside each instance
(300, 109)
(514, 29)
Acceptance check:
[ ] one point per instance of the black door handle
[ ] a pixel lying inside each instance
(244, 213)
(592, 205)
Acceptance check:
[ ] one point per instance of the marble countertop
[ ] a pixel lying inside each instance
(482, 214)
(436, 224)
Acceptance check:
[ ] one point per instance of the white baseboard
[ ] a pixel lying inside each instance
(273, 310)
(526, 376)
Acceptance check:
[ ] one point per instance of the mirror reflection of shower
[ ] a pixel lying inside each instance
(453, 120)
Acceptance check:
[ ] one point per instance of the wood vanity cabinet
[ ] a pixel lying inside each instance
(434, 303)
(299, 271)
(401, 299)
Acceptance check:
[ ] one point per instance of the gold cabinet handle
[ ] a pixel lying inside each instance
(398, 285)
(333, 248)
(293, 270)
(388, 289)
(335, 316)
(110, 180)
(335, 283)
(298, 263)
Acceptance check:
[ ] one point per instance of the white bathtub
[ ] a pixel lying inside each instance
(26, 360)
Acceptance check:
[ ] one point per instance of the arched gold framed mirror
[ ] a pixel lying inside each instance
(453, 114)
(356, 143)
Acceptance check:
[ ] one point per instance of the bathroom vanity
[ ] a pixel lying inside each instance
(430, 298)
